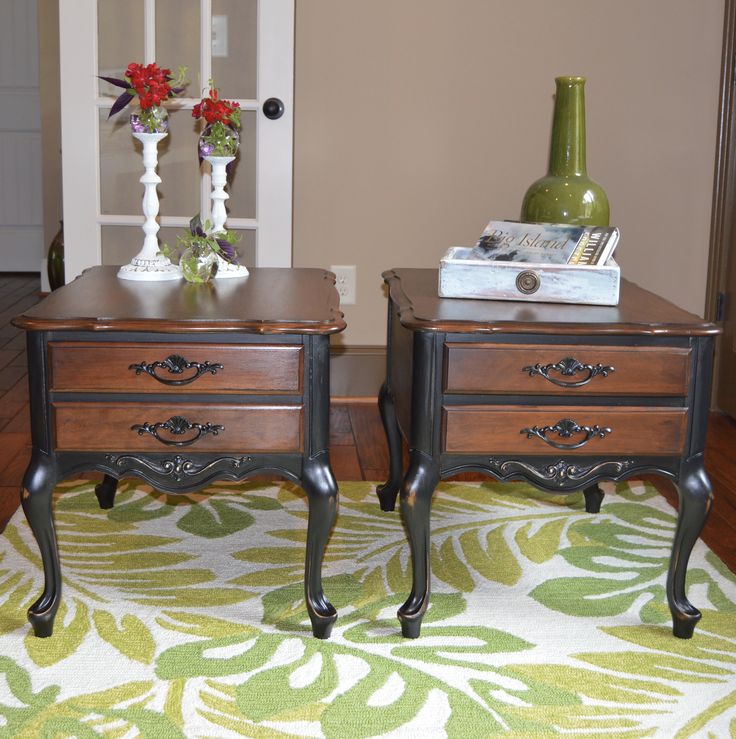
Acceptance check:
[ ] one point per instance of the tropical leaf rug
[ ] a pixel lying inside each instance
(184, 616)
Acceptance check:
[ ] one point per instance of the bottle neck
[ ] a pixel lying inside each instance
(567, 153)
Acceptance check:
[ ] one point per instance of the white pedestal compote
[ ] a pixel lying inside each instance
(148, 264)
(219, 214)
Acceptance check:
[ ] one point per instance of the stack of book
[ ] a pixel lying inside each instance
(549, 262)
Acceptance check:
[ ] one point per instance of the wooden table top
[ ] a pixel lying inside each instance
(267, 301)
(639, 312)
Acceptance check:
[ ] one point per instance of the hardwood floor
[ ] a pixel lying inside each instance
(357, 449)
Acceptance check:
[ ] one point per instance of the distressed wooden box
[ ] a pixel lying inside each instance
(462, 276)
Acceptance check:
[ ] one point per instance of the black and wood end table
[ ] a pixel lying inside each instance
(559, 396)
(180, 384)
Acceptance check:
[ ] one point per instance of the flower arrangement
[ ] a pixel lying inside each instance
(152, 84)
(198, 251)
(220, 137)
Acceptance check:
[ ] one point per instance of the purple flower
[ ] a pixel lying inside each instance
(205, 148)
(227, 251)
(135, 125)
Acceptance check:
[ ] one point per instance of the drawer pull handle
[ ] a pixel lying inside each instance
(565, 428)
(568, 367)
(177, 426)
(175, 364)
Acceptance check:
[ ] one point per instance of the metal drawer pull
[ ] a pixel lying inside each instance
(177, 426)
(565, 428)
(568, 367)
(175, 364)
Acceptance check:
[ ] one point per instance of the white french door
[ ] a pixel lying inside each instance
(247, 47)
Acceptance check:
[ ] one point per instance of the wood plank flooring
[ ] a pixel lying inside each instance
(357, 445)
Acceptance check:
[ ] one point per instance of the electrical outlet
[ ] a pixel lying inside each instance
(345, 278)
(219, 35)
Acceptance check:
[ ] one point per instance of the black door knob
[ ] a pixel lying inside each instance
(273, 108)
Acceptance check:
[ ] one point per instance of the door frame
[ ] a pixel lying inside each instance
(80, 133)
(724, 188)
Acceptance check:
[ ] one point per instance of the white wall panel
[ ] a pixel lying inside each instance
(20, 184)
(18, 44)
(21, 199)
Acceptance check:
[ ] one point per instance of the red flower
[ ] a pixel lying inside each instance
(212, 109)
(151, 83)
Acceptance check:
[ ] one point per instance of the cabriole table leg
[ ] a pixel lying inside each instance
(319, 484)
(696, 498)
(105, 492)
(38, 485)
(390, 489)
(417, 489)
(593, 498)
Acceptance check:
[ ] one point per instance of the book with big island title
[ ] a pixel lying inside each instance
(545, 243)
(541, 262)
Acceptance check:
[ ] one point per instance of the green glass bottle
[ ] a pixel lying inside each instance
(567, 194)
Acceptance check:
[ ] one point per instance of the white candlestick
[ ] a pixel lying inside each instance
(219, 214)
(148, 264)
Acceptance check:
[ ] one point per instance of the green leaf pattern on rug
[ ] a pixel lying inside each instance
(68, 636)
(543, 620)
(623, 576)
(132, 638)
(220, 519)
(348, 691)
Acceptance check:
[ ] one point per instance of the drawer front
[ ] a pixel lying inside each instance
(162, 368)
(552, 369)
(537, 430)
(154, 427)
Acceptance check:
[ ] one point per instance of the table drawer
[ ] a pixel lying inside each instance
(162, 368)
(536, 430)
(158, 427)
(552, 369)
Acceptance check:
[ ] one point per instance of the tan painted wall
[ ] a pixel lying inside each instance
(416, 121)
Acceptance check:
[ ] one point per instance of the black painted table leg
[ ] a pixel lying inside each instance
(38, 485)
(416, 503)
(593, 498)
(390, 489)
(105, 492)
(696, 498)
(319, 484)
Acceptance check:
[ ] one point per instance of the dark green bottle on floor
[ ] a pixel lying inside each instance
(567, 194)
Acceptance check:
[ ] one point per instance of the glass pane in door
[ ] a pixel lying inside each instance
(121, 166)
(120, 243)
(120, 40)
(178, 166)
(246, 248)
(177, 40)
(234, 50)
(242, 181)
